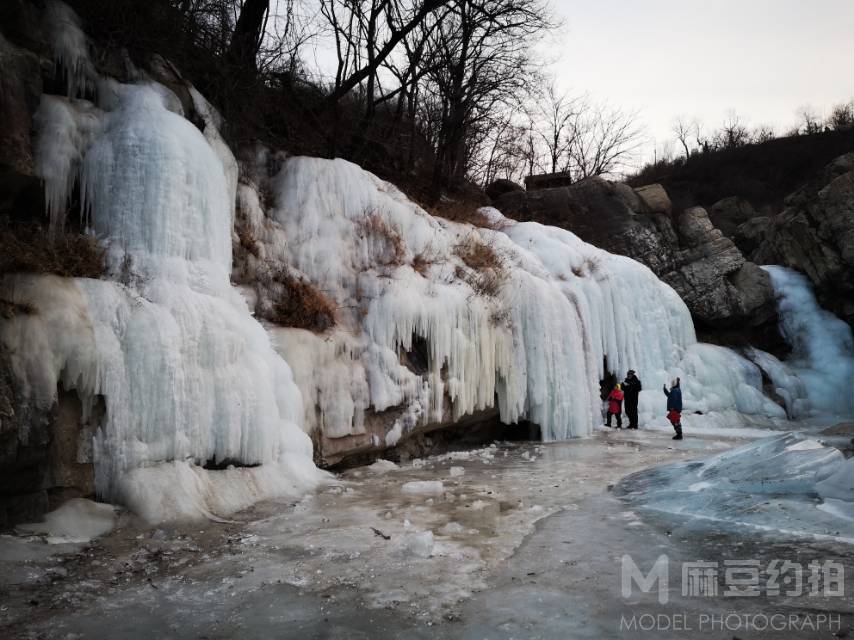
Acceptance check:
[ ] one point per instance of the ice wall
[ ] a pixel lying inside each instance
(187, 374)
(533, 346)
(816, 378)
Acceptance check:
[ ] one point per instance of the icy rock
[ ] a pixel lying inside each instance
(457, 471)
(382, 466)
(419, 544)
(423, 487)
(452, 528)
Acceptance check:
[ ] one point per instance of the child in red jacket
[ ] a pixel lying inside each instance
(615, 406)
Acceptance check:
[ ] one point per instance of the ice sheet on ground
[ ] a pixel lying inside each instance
(784, 483)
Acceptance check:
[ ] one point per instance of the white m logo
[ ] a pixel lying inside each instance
(660, 572)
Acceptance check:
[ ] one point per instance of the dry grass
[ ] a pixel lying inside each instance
(476, 254)
(587, 268)
(486, 272)
(391, 247)
(302, 305)
(422, 260)
(28, 249)
(463, 211)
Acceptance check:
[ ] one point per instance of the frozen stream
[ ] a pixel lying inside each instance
(520, 541)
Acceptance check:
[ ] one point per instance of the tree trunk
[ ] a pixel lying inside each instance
(246, 39)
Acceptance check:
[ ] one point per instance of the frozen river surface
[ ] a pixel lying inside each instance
(508, 541)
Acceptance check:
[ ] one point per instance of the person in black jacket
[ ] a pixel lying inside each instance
(631, 388)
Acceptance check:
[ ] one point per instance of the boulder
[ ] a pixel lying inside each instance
(655, 199)
(749, 235)
(501, 186)
(728, 214)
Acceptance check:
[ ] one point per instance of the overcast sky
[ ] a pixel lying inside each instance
(762, 58)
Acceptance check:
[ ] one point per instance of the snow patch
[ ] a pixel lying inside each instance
(77, 520)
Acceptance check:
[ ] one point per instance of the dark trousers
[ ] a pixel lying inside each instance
(619, 419)
(632, 413)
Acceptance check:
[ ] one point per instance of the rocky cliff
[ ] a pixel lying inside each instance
(814, 234)
(729, 297)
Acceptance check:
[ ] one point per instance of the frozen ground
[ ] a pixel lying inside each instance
(518, 541)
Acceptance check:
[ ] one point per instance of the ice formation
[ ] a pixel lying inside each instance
(435, 319)
(78, 520)
(188, 376)
(70, 48)
(816, 378)
(534, 346)
(789, 482)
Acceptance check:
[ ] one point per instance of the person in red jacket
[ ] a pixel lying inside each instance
(615, 406)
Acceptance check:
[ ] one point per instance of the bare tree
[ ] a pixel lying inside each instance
(733, 132)
(809, 119)
(554, 116)
(248, 33)
(366, 33)
(762, 133)
(604, 140)
(842, 116)
(482, 49)
(683, 130)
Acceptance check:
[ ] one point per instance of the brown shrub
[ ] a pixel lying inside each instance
(29, 249)
(302, 305)
(476, 254)
(423, 259)
(485, 272)
(374, 226)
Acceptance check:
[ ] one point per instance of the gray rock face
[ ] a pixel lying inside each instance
(721, 288)
(728, 214)
(501, 186)
(815, 235)
(45, 454)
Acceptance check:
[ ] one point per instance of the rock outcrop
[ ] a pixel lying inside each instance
(722, 289)
(501, 186)
(814, 234)
(45, 454)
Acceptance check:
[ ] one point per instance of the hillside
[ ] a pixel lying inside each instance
(764, 174)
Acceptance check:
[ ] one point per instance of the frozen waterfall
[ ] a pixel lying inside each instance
(816, 379)
(188, 376)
